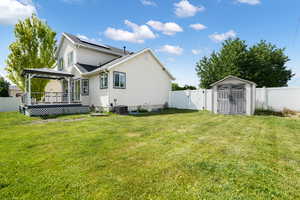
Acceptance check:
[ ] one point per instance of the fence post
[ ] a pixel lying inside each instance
(190, 99)
(265, 93)
(170, 101)
(205, 99)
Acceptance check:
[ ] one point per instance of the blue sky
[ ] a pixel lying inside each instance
(179, 31)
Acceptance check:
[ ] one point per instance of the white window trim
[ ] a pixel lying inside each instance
(100, 80)
(119, 87)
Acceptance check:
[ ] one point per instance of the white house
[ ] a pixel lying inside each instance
(105, 76)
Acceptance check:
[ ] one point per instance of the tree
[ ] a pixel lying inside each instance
(263, 63)
(4, 87)
(176, 87)
(34, 47)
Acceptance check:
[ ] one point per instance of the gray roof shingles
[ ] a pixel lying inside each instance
(99, 47)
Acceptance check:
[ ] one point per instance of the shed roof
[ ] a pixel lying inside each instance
(232, 77)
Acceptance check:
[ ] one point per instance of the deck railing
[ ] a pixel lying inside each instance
(48, 98)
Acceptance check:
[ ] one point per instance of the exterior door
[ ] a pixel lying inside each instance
(76, 90)
(238, 100)
(231, 99)
(223, 99)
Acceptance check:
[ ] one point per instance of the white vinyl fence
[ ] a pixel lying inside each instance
(9, 104)
(278, 98)
(266, 98)
(191, 99)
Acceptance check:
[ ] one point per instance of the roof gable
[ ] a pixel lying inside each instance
(89, 45)
(126, 58)
(232, 77)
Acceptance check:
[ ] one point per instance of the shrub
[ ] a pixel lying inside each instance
(288, 112)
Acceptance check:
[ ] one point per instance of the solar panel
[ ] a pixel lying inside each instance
(93, 43)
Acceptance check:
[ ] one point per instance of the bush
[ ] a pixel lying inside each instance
(288, 112)
(268, 112)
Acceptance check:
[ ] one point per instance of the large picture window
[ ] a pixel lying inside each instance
(103, 81)
(70, 58)
(119, 80)
(85, 87)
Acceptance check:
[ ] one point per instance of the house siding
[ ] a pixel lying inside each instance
(98, 97)
(90, 57)
(147, 84)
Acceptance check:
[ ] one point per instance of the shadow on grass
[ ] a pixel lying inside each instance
(268, 113)
(169, 111)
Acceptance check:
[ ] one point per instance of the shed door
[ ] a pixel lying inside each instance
(223, 99)
(231, 99)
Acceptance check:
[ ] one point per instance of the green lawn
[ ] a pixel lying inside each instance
(174, 155)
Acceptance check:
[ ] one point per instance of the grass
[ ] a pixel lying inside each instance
(173, 155)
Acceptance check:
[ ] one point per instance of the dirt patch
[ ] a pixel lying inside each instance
(56, 120)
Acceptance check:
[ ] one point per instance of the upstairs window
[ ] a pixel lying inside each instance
(60, 64)
(103, 81)
(119, 80)
(85, 87)
(70, 58)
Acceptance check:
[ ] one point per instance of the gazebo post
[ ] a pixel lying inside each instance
(69, 90)
(29, 90)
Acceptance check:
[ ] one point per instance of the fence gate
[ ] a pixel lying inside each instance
(231, 99)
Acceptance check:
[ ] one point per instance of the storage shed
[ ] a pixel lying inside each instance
(233, 96)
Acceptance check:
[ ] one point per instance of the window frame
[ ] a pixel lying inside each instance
(119, 87)
(70, 58)
(60, 64)
(83, 87)
(102, 75)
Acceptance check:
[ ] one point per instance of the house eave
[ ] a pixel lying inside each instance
(97, 71)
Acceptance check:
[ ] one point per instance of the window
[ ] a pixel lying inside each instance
(85, 87)
(70, 58)
(60, 64)
(103, 80)
(119, 80)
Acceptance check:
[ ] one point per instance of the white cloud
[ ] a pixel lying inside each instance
(138, 35)
(185, 9)
(13, 10)
(148, 3)
(84, 37)
(223, 36)
(198, 27)
(169, 28)
(251, 2)
(196, 51)
(176, 50)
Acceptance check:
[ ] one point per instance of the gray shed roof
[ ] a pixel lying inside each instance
(232, 77)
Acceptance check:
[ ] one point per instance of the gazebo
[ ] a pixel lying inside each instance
(49, 103)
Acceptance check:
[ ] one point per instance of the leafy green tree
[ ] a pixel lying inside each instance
(263, 63)
(34, 47)
(175, 87)
(4, 87)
